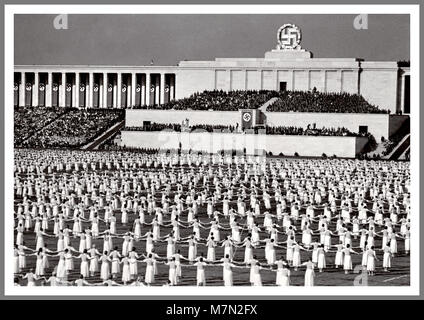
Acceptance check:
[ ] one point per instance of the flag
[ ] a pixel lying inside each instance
(55, 95)
(246, 119)
(109, 103)
(42, 94)
(123, 95)
(16, 93)
(137, 101)
(152, 94)
(28, 94)
(81, 93)
(68, 95)
(96, 95)
(167, 93)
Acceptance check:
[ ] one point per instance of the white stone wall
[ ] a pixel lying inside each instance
(214, 142)
(253, 79)
(189, 81)
(379, 86)
(378, 124)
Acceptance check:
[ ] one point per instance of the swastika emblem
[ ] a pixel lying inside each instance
(289, 37)
(247, 117)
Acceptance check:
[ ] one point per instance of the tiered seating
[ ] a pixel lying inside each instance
(314, 101)
(28, 120)
(74, 129)
(219, 100)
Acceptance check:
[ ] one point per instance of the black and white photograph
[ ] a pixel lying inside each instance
(238, 150)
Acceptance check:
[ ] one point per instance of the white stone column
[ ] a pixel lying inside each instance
(35, 88)
(48, 89)
(143, 99)
(157, 90)
(147, 90)
(133, 88)
(101, 86)
(77, 90)
(62, 91)
(73, 94)
(119, 89)
(22, 90)
(90, 94)
(105, 90)
(402, 93)
(129, 92)
(87, 92)
(162, 88)
(172, 88)
(114, 91)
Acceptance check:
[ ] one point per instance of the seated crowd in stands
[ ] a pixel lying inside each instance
(156, 127)
(289, 101)
(74, 129)
(28, 120)
(314, 101)
(219, 100)
(111, 146)
(177, 127)
(282, 130)
(313, 131)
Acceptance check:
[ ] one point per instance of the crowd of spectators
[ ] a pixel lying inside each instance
(282, 130)
(211, 128)
(156, 127)
(289, 101)
(314, 101)
(313, 131)
(28, 120)
(178, 128)
(219, 100)
(74, 129)
(114, 147)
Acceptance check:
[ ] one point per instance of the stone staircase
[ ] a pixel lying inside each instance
(107, 134)
(400, 149)
(266, 104)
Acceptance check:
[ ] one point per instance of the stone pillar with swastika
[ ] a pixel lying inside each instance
(288, 46)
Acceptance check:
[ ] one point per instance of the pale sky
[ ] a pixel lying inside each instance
(168, 39)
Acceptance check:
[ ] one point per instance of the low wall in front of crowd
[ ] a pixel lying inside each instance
(136, 117)
(212, 142)
(379, 125)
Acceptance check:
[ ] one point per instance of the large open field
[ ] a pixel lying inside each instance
(398, 275)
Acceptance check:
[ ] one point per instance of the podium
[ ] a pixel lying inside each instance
(250, 118)
(185, 126)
